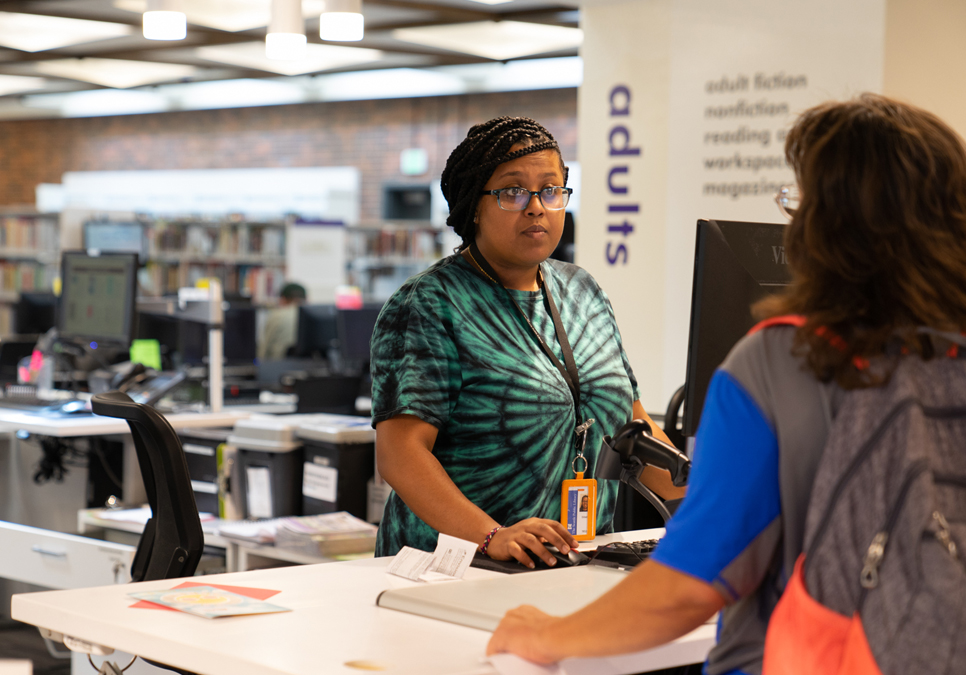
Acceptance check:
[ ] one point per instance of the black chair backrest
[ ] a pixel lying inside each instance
(671, 418)
(172, 542)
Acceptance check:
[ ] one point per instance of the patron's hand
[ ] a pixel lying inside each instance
(514, 542)
(526, 631)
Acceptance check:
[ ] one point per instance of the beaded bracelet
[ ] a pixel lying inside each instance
(486, 542)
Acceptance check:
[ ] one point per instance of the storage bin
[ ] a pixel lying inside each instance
(201, 452)
(339, 456)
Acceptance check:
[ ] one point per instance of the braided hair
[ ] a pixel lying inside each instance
(471, 164)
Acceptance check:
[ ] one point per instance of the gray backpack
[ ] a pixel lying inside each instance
(886, 527)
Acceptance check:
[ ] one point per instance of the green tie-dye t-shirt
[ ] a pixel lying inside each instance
(450, 348)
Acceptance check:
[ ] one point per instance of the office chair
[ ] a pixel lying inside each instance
(671, 417)
(172, 542)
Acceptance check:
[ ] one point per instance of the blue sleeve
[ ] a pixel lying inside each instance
(734, 490)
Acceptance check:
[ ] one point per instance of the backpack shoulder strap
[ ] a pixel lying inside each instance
(797, 320)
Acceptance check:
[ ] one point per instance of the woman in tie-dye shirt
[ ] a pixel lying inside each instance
(474, 421)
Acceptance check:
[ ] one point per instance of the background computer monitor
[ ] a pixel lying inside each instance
(34, 313)
(239, 337)
(355, 331)
(97, 297)
(113, 237)
(735, 265)
(317, 329)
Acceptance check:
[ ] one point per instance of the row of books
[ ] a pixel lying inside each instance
(16, 276)
(403, 242)
(29, 232)
(228, 239)
(260, 283)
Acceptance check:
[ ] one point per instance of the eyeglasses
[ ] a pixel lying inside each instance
(517, 198)
(787, 199)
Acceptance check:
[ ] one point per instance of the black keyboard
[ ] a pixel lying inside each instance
(623, 553)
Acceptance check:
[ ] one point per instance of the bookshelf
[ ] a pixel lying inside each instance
(29, 258)
(247, 256)
(381, 256)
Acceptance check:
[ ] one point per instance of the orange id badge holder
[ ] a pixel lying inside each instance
(578, 507)
(578, 496)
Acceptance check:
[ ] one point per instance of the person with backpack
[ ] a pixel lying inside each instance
(830, 464)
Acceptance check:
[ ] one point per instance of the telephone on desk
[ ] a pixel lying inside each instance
(142, 384)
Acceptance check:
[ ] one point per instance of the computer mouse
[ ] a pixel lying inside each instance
(74, 407)
(571, 559)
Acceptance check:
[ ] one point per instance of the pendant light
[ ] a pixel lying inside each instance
(165, 20)
(285, 40)
(341, 21)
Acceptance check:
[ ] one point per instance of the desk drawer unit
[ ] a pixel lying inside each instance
(57, 560)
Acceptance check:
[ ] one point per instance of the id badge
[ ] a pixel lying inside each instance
(578, 507)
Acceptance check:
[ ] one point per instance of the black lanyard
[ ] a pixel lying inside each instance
(569, 372)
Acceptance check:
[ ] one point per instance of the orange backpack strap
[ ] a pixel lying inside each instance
(796, 320)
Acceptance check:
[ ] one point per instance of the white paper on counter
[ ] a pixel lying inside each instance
(447, 563)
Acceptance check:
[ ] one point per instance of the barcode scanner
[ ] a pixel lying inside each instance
(635, 444)
(634, 447)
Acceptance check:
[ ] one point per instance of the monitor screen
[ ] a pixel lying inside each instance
(239, 337)
(355, 332)
(108, 237)
(317, 330)
(97, 297)
(34, 313)
(735, 265)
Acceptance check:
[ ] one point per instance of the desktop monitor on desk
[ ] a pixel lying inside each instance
(317, 330)
(34, 313)
(98, 297)
(735, 265)
(355, 328)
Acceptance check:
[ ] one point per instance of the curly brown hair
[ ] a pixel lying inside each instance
(877, 247)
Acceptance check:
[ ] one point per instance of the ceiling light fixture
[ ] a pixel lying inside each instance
(165, 20)
(341, 21)
(285, 40)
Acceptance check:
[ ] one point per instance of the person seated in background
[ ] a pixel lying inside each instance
(281, 324)
(877, 249)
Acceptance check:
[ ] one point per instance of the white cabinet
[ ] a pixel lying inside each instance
(57, 560)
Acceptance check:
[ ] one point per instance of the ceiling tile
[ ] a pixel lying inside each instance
(116, 73)
(34, 33)
(317, 57)
(497, 40)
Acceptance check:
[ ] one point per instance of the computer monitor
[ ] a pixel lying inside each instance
(114, 237)
(239, 337)
(355, 332)
(735, 265)
(34, 313)
(317, 329)
(97, 297)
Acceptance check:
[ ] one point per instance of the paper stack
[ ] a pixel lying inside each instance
(328, 534)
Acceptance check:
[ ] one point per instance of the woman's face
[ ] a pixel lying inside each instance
(520, 239)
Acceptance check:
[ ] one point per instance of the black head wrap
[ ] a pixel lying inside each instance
(471, 164)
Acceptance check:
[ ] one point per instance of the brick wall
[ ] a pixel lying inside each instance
(366, 134)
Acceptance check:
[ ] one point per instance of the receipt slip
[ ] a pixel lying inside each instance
(447, 563)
